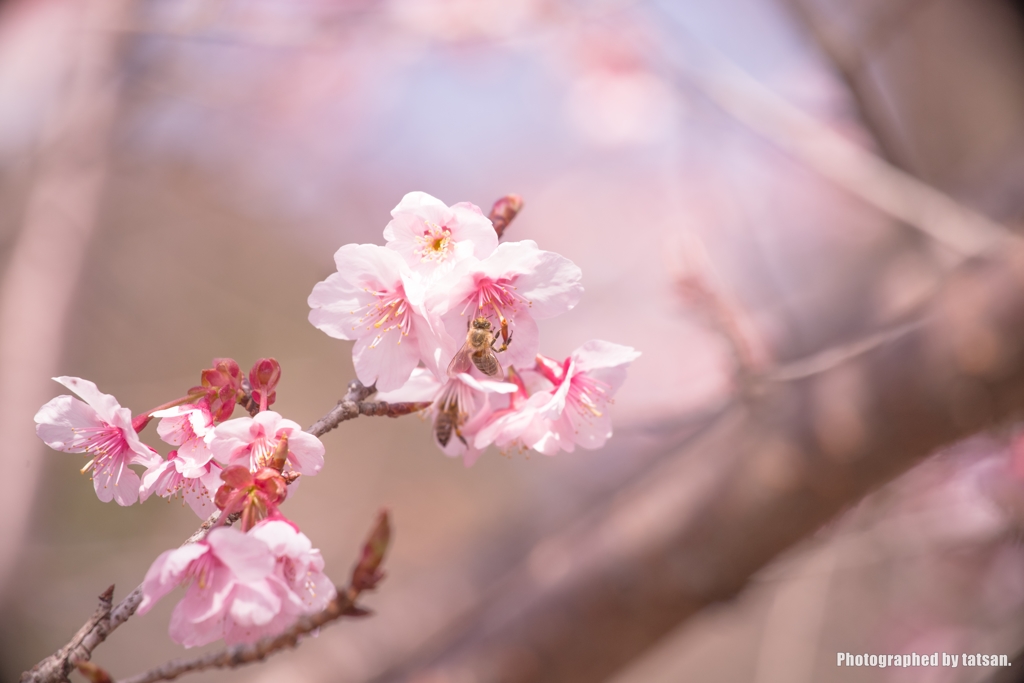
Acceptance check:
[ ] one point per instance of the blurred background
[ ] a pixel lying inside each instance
(175, 175)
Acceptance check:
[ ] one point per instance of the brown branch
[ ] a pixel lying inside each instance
(365, 576)
(354, 405)
(699, 525)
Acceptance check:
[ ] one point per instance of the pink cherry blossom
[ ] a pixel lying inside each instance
(300, 566)
(190, 428)
(233, 591)
(523, 421)
(463, 402)
(177, 477)
(252, 441)
(430, 235)
(584, 384)
(518, 283)
(97, 426)
(376, 300)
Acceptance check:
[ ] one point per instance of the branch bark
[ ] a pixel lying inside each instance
(695, 530)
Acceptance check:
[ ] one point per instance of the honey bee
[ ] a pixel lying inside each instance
(479, 349)
(448, 419)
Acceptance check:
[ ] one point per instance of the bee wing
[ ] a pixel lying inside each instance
(461, 362)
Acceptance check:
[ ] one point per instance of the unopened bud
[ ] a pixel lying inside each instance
(252, 498)
(220, 387)
(504, 211)
(263, 379)
(367, 573)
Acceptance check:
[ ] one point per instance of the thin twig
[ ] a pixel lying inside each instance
(353, 405)
(835, 356)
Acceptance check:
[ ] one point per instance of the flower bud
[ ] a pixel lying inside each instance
(263, 379)
(367, 572)
(220, 387)
(254, 498)
(504, 210)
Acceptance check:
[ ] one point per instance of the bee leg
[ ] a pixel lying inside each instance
(505, 343)
(461, 437)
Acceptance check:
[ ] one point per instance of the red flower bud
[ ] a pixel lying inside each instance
(254, 498)
(504, 211)
(263, 379)
(220, 387)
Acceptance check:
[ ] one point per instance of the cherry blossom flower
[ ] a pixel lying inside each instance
(376, 300)
(517, 283)
(253, 441)
(300, 566)
(190, 428)
(523, 422)
(98, 426)
(432, 236)
(233, 591)
(461, 406)
(584, 384)
(176, 476)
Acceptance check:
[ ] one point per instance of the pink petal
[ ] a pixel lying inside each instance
(553, 286)
(602, 354)
(106, 406)
(231, 439)
(57, 421)
(254, 604)
(305, 452)
(199, 497)
(157, 478)
(389, 363)
(118, 483)
(589, 431)
(167, 571)
(194, 455)
(246, 557)
(422, 386)
(200, 617)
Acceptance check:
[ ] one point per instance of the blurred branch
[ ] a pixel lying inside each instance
(813, 143)
(700, 289)
(694, 530)
(365, 576)
(849, 66)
